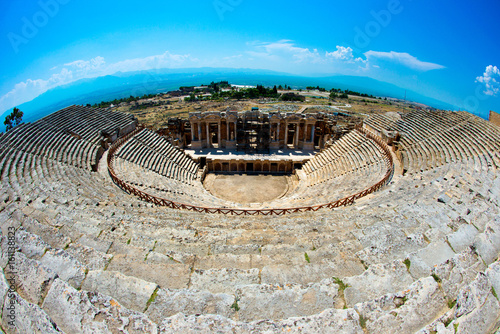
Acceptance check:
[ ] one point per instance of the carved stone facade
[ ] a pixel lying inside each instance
(256, 131)
(213, 129)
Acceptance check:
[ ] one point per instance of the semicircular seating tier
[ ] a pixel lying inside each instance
(150, 163)
(420, 255)
(431, 139)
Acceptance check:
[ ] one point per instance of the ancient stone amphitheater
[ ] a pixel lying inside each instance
(106, 227)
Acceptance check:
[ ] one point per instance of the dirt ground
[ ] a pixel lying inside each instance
(156, 117)
(246, 189)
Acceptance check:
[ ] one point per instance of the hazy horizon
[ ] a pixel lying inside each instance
(444, 51)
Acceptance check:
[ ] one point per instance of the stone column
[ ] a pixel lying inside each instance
(297, 128)
(192, 131)
(219, 138)
(228, 138)
(286, 133)
(199, 130)
(279, 126)
(313, 127)
(208, 134)
(235, 132)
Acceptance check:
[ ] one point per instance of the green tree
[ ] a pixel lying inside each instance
(13, 119)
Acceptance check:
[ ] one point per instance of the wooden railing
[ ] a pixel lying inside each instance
(349, 200)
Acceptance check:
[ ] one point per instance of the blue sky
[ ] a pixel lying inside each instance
(447, 50)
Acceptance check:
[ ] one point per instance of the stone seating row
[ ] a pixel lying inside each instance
(433, 138)
(153, 152)
(341, 147)
(91, 121)
(49, 137)
(351, 152)
(130, 260)
(100, 279)
(168, 188)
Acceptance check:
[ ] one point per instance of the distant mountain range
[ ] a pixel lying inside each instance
(122, 85)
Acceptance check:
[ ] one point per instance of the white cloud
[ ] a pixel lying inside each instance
(285, 49)
(283, 55)
(233, 57)
(342, 53)
(81, 69)
(149, 63)
(29, 89)
(286, 55)
(491, 80)
(404, 59)
(85, 67)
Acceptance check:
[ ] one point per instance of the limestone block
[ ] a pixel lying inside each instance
(181, 323)
(418, 268)
(284, 301)
(458, 271)
(158, 258)
(438, 326)
(434, 254)
(473, 295)
(89, 227)
(167, 247)
(31, 245)
(483, 319)
(66, 267)
(29, 318)
(488, 243)
(219, 261)
(49, 234)
(9, 224)
(406, 311)
(311, 272)
(398, 250)
(477, 307)
(224, 280)
(97, 244)
(166, 275)
(90, 312)
(89, 257)
(381, 236)
(180, 257)
(328, 321)
(4, 285)
(33, 280)
(170, 302)
(235, 249)
(493, 273)
(377, 280)
(131, 292)
(462, 238)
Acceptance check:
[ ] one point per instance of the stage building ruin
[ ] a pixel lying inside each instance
(259, 132)
(255, 141)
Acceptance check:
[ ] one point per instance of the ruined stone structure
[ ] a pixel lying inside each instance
(374, 238)
(257, 132)
(494, 118)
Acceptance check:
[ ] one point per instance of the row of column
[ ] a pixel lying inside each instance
(297, 133)
(230, 136)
